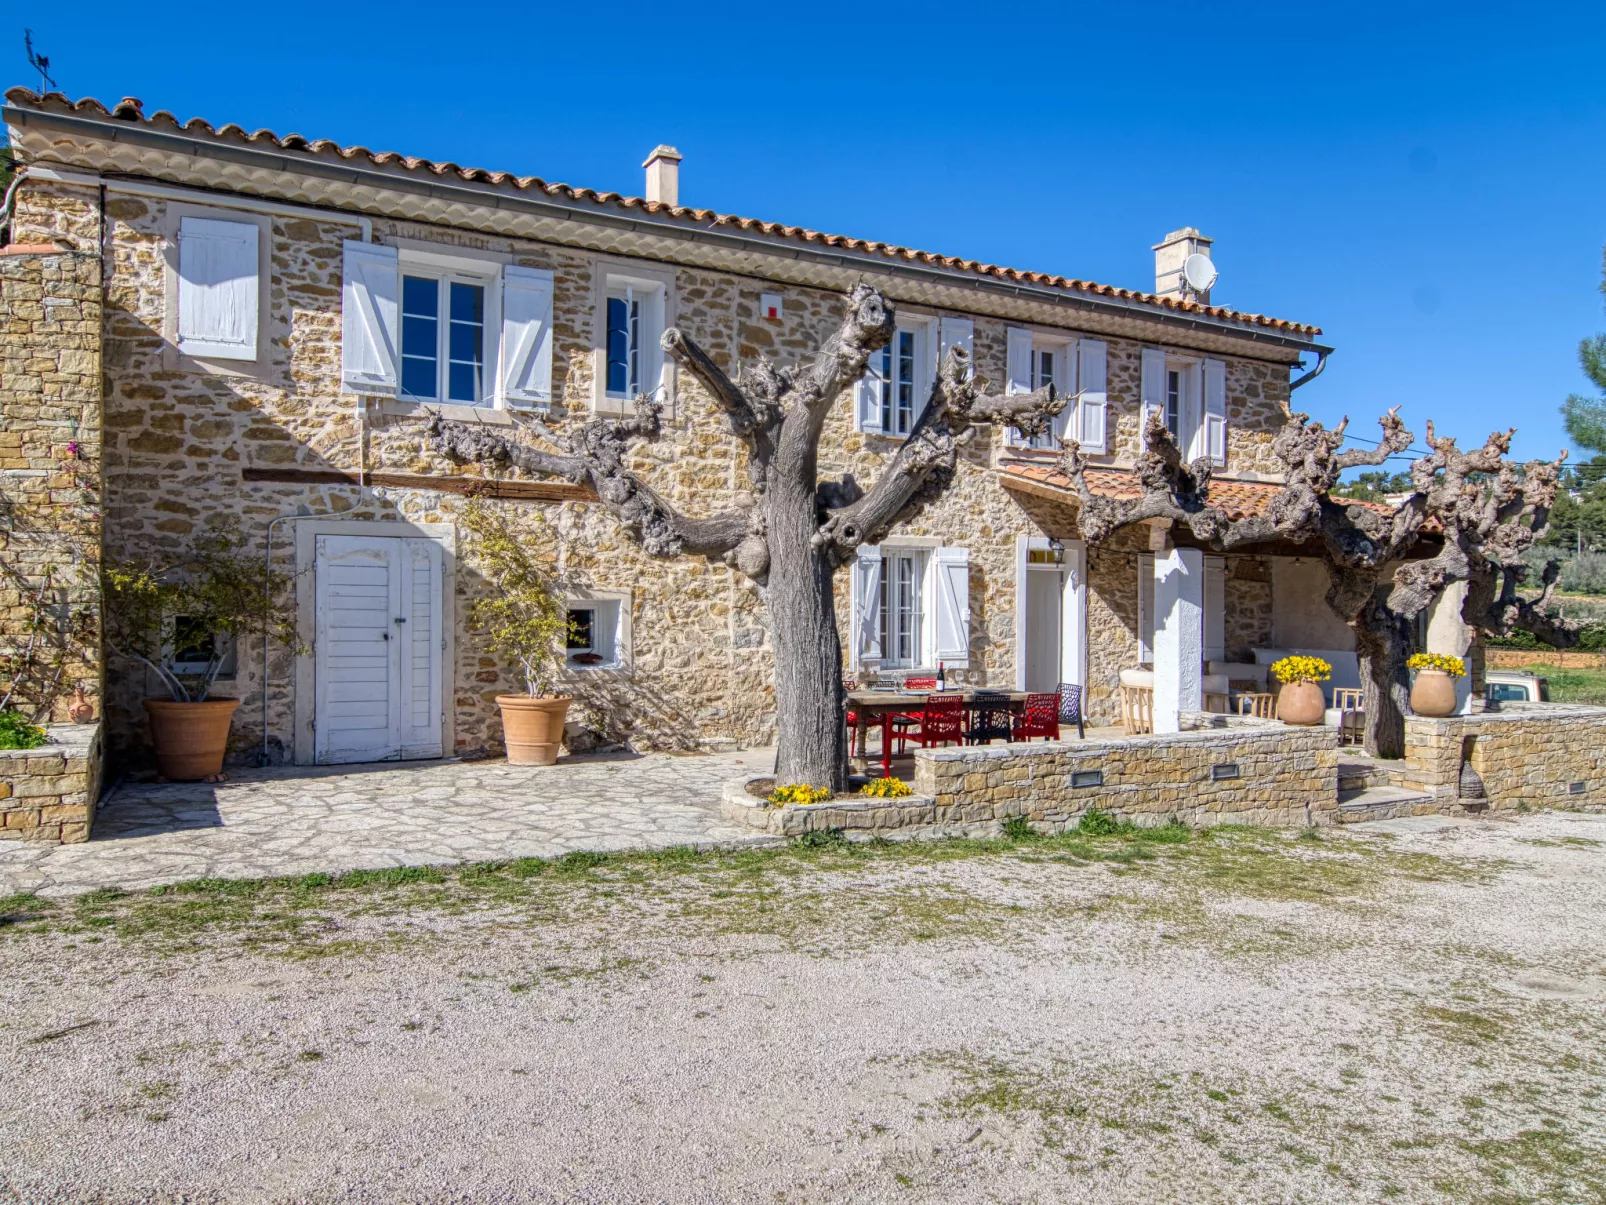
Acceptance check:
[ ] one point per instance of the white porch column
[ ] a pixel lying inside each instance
(1178, 636)
(1448, 633)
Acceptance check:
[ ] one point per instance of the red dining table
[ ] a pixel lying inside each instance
(885, 704)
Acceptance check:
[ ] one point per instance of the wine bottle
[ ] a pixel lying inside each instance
(942, 677)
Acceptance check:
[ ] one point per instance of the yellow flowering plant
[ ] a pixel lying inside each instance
(886, 788)
(1442, 662)
(799, 792)
(1299, 668)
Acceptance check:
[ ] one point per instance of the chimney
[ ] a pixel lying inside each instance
(663, 175)
(1170, 254)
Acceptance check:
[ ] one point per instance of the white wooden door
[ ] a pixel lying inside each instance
(377, 649)
(1043, 591)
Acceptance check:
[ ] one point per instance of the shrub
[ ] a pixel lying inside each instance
(1584, 574)
(17, 733)
(1442, 662)
(799, 792)
(521, 615)
(886, 788)
(1301, 669)
(1096, 823)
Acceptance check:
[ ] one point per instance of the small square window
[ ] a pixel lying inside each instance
(595, 636)
(196, 644)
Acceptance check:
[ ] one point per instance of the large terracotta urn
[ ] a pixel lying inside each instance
(1433, 694)
(532, 728)
(1301, 703)
(190, 738)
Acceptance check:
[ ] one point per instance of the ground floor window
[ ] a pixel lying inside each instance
(902, 607)
(594, 640)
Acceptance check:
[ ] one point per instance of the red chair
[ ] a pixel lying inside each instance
(904, 720)
(1040, 717)
(848, 687)
(942, 722)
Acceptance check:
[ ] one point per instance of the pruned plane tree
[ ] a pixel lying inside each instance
(794, 530)
(1470, 517)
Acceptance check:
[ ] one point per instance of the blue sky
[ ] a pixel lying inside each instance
(1426, 182)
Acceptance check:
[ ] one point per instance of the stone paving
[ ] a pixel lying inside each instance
(298, 820)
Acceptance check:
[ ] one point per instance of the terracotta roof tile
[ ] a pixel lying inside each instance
(126, 111)
(1235, 499)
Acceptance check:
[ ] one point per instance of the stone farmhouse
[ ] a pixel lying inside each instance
(280, 313)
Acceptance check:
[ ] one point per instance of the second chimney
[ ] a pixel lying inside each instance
(663, 175)
(1170, 253)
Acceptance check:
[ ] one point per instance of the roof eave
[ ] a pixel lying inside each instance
(662, 225)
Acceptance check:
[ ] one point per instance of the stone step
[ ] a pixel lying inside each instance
(1356, 771)
(1378, 803)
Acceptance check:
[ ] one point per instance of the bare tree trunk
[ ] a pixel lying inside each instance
(1382, 644)
(808, 649)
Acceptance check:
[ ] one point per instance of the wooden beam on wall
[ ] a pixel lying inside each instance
(473, 487)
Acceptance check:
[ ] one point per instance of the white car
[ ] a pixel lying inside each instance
(1515, 686)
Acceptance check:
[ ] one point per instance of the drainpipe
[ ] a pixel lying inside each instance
(11, 199)
(1321, 363)
(262, 758)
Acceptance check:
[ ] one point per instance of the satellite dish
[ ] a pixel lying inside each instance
(1199, 272)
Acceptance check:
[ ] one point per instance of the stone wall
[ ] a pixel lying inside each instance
(49, 793)
(1525, 755)
(1281, 776)
(181, 433)
(50, 481)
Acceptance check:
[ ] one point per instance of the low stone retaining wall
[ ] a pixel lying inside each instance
(1230, 770)
(1533, 754)
(49, 793)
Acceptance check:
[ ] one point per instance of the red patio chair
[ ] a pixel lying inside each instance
(1040, 717)
(942, 722)
(904, 720)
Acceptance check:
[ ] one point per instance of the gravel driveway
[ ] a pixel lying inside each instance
(1406, 1015)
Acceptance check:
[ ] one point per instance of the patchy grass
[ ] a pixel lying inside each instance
(1572, 685)
(815, 894)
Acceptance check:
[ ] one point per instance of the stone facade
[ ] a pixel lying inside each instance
(50, 480)
(49, 793)
(1227, 771)
(1525, 755)
(182, 435)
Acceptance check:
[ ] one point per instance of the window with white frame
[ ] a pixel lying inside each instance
(1173, 400)
(444, 322)
(911, 606)
(437, 325)
(598, 633)
(1189, 394)
(898, 380)
(902, 607)
(631, 319)
(1051, 364)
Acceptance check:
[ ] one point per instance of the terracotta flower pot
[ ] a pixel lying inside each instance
(1301, 703)
(1433, 694)
(532, 728)
(190, 738)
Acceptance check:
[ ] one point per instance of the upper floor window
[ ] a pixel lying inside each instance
(443, 350)
(436, 324)
(892, 392)
(1173, 401)
(624, 343)
(633, 311)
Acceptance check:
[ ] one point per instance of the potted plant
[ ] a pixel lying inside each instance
(1301, 700)
(524, 620)
(1433, 692)
(172, 617)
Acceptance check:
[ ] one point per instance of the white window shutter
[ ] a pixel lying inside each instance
(952, 606)
(1018, 370)
(865, 603)
(525, 378)
(867, 400)
(1215, 411)
(1092, 368)
(1066, 422)
(958, 332)
(368, 320)
(1146, 609)
(1215, 608)
(218, 288)
(1153, 390)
